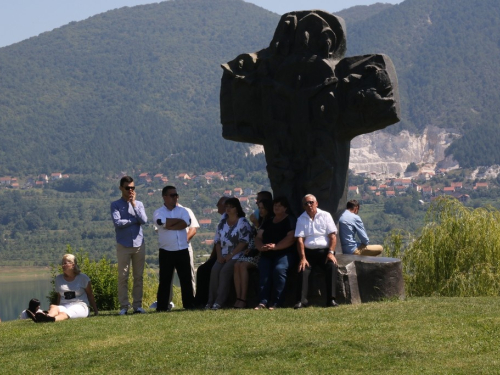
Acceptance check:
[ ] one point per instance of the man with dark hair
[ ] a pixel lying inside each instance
(351, 224)
(128, 216)
(172, 221)
(254, 217)
(316, 239)
(203, 272)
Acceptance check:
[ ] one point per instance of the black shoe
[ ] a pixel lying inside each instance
(299, 305)
(332, 303)
(41, 317)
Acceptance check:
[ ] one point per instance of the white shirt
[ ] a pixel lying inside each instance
(194, 222)
(172, 240)
(315, 232)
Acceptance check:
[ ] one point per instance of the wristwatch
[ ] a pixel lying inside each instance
(331, 252)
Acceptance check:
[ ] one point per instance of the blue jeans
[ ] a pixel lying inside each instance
(273, 271)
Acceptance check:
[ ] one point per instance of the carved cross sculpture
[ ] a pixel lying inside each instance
(304, 102)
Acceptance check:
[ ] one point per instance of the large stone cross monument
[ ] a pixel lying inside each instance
(304, 102)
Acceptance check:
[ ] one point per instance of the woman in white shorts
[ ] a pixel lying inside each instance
(74, 294)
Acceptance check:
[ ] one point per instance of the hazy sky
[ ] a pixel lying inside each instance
(22, 19)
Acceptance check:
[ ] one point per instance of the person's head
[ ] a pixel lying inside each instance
(353, 206)
(265, 209)
(126, 186)
(221, 207)
(234, 204)
(310, 204)
(34, 305)
(280, 206)
(69, 262)
(170, 196)
(263, 195)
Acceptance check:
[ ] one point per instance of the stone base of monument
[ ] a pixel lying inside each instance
(360, 279)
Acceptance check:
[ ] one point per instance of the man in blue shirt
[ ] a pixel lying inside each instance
(128, 216)
(351, 224)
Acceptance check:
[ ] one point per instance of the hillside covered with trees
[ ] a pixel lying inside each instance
(137, 88)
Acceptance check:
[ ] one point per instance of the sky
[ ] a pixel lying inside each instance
(22, 19)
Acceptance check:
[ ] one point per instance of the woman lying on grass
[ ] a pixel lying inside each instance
(74, 294)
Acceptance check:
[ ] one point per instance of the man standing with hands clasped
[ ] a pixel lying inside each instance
(172, 221)
(128, 217)
(316, 239)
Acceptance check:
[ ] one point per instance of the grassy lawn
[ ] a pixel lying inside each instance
(417, 336)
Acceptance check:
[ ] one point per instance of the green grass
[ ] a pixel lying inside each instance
(417, 336)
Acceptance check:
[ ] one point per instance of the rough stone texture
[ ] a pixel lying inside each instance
(304, 102)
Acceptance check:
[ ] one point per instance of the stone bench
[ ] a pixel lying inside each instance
(360, 279)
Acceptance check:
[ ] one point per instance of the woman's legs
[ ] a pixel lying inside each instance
(237, 280)
(225, 282)
(245, 266)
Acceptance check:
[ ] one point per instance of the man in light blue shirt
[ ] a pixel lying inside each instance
(351, 224)
(128, 217)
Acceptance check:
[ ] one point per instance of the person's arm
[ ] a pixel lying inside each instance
(303, 263)
(360, 229)
(218, 251)
(175, 224)
(254, 220)
(258, 240)
(140, 213)
(90, 296)
(240, 247)
(58, 299)
(191, 233)
(333, 242)
(118, 221)
(284, 243)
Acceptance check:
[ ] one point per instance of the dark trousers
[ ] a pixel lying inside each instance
(317, 258)
(180, 261)
(273, 272)
(203, 282)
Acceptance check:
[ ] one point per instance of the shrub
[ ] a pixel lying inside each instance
(456, 254)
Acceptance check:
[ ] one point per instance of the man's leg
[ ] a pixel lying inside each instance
(138, 260)
(183, 267)
(331, 271)
(123, 258)
(369, 250)
(203, 281)
(303, 280)
(193, 273)
(165, 279)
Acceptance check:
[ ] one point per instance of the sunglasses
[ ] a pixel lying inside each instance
(129, 188)
(309, 203)
(174, 195)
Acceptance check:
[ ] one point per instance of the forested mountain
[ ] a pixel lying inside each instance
(138, 88)
(446, 54)
(133, 88)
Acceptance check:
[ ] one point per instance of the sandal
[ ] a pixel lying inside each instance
(260, 306)
(273, 307)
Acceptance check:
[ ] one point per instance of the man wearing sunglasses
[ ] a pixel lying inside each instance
(172, 221)
(316, 239)
(128, 216)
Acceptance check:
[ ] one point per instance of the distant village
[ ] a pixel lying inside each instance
(418, 181)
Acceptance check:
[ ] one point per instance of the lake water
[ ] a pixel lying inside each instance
(16, 294)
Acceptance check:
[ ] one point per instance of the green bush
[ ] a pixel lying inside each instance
(456, 254)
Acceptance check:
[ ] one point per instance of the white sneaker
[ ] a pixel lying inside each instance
(139, 310)
(123, 311)
(154, 305)
(172, 305)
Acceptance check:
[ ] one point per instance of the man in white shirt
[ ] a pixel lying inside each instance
(172, 221)
(191, 232)
(316, 239)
